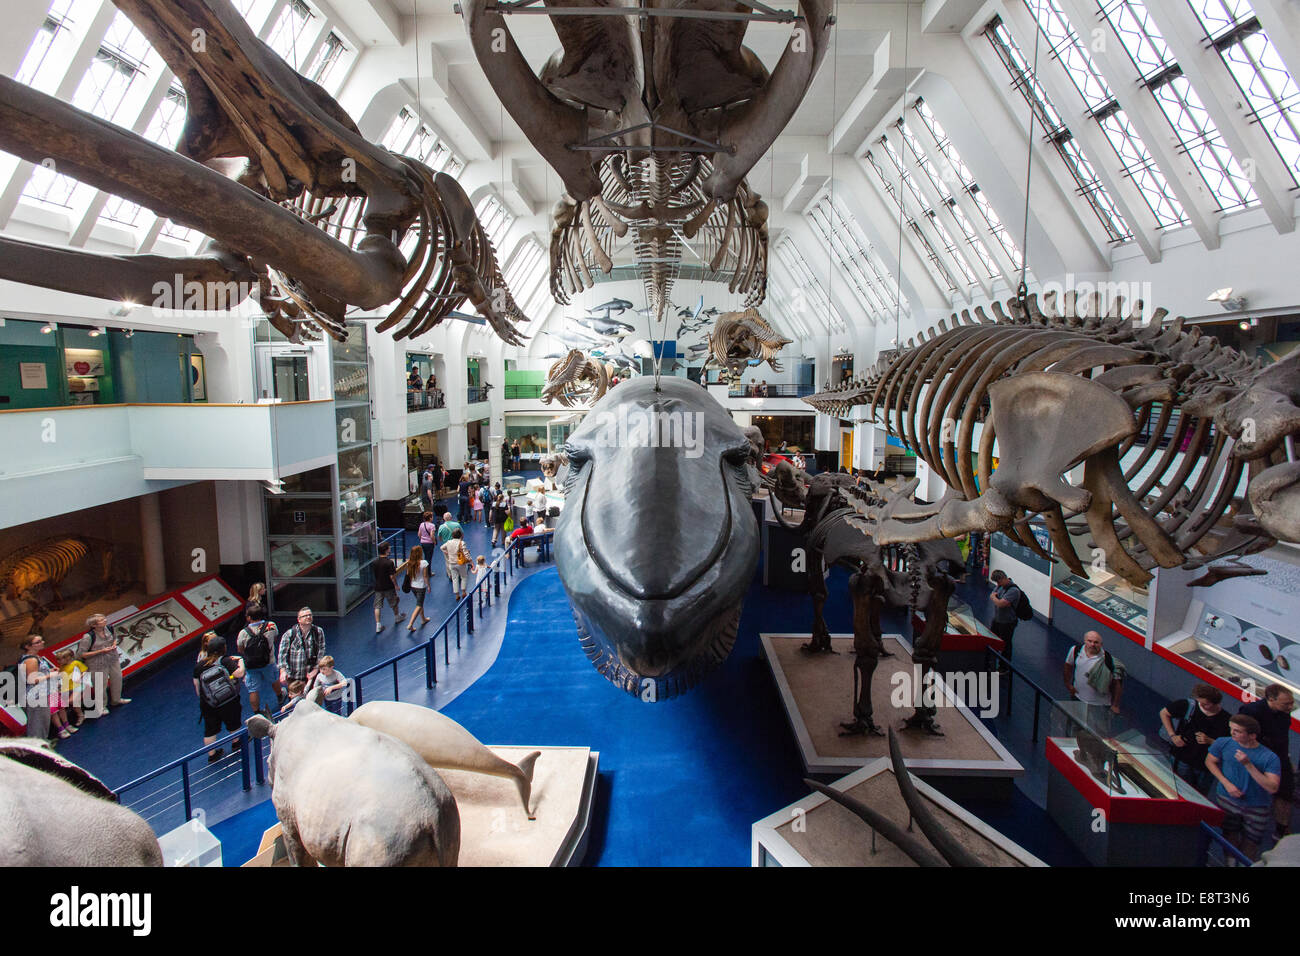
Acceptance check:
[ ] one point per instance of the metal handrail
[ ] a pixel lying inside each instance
(1039, 693)
(251, 752)
(395, 538)
(1210, 835)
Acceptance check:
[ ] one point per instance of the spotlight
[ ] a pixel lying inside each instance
(1226, 299)
(128, 332)
(48, 327)
(96, 332)
(124, 308)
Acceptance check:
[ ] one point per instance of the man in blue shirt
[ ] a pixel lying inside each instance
(1248, 774)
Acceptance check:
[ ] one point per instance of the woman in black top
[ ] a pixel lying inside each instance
(229, 713)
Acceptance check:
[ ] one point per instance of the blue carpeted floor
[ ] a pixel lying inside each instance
(681, 780)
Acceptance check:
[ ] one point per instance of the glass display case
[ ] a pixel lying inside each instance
(1108, 595)
(1119, 758)
(1238, 651)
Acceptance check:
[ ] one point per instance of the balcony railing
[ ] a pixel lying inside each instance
(476, 393)
(772, 391)
(422, 399)
(524, 391)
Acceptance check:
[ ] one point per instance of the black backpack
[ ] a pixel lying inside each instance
(257, 649)
(216, 688)
(1024, 611)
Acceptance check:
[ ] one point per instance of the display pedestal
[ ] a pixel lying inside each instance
(816, 831)
(190, 844)
(494, 830)
(1129, 829)
(817, 693)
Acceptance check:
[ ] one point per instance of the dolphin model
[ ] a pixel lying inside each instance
(613, 305)
(657, 612)
(606, 326)
(445, 744)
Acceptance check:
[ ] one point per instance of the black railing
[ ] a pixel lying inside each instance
(170, 802)
(476, 393)
(421, 399)
(772, 391)
(524, 391)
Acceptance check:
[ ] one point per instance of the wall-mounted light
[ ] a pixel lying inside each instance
(96, 332)
(1225, 298)
(124, 308)
(1247, 324)
(128, 332)
(48, 327)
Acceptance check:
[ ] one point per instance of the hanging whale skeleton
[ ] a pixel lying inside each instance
(302, 211)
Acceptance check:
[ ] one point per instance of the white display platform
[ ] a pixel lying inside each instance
(494, 830)
(817, 693)
(816, 831)
(190, 844)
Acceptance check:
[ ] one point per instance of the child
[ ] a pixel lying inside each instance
(334, 684)
(296, 690)
(480, 569)
(71, 687)
(476, 504)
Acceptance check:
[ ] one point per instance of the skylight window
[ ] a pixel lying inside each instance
(255, 12)
(1164, 78)
(289, 35)
(1235, 32)
(1133, 154)
(859, 263)
(806, 290)
(164, 129)
(328, 66)
(496, 219)
(1057, 133)
(937, 268)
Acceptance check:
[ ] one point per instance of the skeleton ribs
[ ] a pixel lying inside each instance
(1165, 423)
(297, 203)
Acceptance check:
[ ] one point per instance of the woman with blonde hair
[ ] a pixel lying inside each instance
(417, 575)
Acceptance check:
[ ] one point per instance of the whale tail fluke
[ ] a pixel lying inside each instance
(525, 781)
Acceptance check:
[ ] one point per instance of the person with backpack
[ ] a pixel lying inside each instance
(300, 648)
(1190, 725)
(1095, 678)
(216, 683)
(500, 512)
(256, 645)
(1010, 607)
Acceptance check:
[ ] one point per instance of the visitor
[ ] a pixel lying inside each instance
(476, 505)
(500, 512)
(98, 650)
(540, 504)
(462, 494)
(447, 529)
(255, 645)
(1095, 678)
(215, 684)
(428, 493)
(485, 497)
(480, 569)
(256, 595)
(1273, 714)
(417, 582)
(525, 530)
(426, 531)
(1191, 725)
(333, 685)
(505, 453)
(1006, 597)
(384, 572)
(72, 684)
(1249, 774)
(37, 673)
(439, 476)
(457, 557)
(297, 689)
(300, 648)
(413, 379)
(515, 455)
(762, 389)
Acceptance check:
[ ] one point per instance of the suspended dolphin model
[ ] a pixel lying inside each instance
(613, 305)
(657, 612)
(606, 326)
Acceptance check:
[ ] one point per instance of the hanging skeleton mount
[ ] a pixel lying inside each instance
(301, 209)
(1170, 429)
(652, 121)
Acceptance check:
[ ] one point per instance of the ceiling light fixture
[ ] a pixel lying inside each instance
(124, 308)
(96, 332)
(48, 327)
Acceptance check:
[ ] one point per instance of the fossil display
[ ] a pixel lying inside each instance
(299, 206)
(652, 123)
(1165, 422)
(575, 380)
(741, 338)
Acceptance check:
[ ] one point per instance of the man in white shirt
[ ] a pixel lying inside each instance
(1095, 678)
